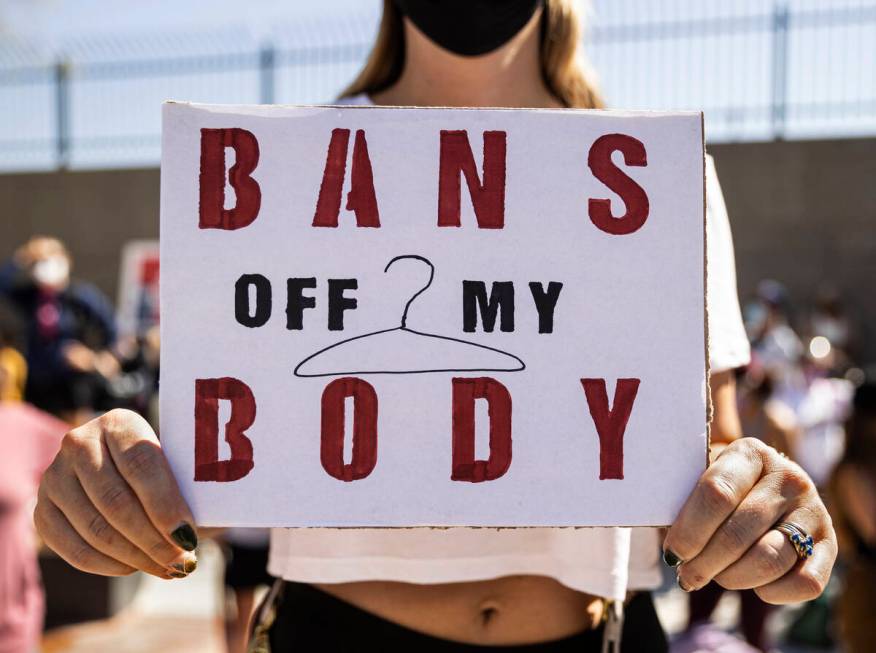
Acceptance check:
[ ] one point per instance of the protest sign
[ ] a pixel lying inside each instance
(138, 288)
(432, 317)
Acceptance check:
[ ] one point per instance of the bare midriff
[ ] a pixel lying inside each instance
(505, 611)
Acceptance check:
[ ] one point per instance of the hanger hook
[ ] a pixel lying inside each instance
(404, 319)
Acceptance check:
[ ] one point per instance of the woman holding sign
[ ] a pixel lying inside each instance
(110, 505)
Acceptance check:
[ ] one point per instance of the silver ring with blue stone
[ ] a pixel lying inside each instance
(801, 540)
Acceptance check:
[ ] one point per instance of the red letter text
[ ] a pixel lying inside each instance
(213, 214)
(465, 467)
(361, 199)
(208, 392)
(364, 429)
(610, 423)
(608, 173)
(487, 198)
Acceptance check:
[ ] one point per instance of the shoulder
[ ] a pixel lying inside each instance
(717, 219)
(362, 99)
(11, 357)
(728, 343)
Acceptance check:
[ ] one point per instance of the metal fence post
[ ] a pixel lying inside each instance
(780, 69)
(267, 64)
(62, 113)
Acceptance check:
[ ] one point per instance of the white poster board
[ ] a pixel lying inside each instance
(432, 317)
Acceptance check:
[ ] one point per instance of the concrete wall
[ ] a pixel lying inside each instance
(803, 212)
(94, 213)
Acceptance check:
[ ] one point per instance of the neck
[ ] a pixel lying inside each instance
(507, 77)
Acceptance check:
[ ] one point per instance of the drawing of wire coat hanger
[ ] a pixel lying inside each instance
(373, 353)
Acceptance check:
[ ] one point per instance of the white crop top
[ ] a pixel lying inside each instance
(600, 561)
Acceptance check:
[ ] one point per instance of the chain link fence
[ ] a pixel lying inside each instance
(760, 70)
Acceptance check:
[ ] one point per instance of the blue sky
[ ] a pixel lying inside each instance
(51, 21)
(54, 20)
(64, 17)
(652, 54)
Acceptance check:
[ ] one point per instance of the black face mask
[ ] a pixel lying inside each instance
(469, 27)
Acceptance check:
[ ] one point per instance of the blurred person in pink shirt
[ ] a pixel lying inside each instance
(29, 439)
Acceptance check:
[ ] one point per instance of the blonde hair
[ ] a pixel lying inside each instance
(563, 66)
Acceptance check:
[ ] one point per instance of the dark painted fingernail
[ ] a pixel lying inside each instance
(184, 535)
(177, 574)
(187, 566)
(681, 584)
(671, 559)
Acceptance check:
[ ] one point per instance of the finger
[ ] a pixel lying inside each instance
(756, 514)
(63, 539)
(113, 498)
(137, 455)
(807, 579)
(66, 493)
(716, 495)
(771, 557)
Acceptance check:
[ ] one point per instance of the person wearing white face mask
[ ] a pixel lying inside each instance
(70, 329)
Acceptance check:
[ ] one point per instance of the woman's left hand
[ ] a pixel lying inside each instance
(726, 529)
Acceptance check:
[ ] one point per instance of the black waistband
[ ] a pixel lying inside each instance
(308, 619)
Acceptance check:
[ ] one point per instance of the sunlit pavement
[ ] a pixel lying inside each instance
(185, 616)
(671, 605)
(179, 616)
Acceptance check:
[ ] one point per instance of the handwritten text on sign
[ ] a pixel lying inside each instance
(396, 317)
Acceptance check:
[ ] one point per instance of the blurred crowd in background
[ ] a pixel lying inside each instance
(62, 349)
(66, 353)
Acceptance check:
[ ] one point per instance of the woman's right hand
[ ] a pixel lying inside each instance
(109, 504)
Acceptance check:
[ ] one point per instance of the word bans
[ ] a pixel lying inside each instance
(610, 423)
(456, 162)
